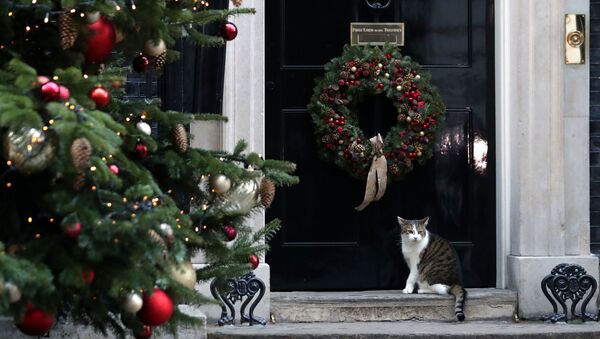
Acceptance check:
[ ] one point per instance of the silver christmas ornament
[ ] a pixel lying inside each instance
(144, 127)
(14, 294)
(220, 183)
(244, 196)
(132, 303)
(29, 150)
(184, 274)
(154, 48)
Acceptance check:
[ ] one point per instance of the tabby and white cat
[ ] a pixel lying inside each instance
(432, 262)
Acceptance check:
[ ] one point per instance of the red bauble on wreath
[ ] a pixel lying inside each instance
(157, 309)
(229, 31)
(100, 96)
(230, 232)
(35, 322)
(101, 40)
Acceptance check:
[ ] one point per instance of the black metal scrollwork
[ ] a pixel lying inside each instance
(569, 282)
(247, 286)
(378, 4)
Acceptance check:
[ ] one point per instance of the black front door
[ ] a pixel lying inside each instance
(325, 244)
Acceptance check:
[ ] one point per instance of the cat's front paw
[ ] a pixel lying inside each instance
(407, 291)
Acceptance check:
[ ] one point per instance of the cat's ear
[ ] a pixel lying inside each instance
(424, 221)
(401, 221)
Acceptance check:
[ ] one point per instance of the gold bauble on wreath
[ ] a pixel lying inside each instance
(185, 274)
(29, 150)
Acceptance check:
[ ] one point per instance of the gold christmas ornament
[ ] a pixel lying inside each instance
(184, 274)
(267, 191)
(179, 138)
(132, 303)
(81, 151)
(220, 184)
(67, 31)
(29, 150)
(14, 294)
(155, 48)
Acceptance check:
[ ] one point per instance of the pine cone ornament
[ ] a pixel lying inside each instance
(179, 138)
(156, 237)
(324, 97)
(357, 148)
(267, 192)
(394, 169)
(81, 151)
(236, 3)
(159, 61)
(79, 182)
(67, 31)
(344, 74)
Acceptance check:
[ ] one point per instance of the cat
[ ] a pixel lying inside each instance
(433, 264)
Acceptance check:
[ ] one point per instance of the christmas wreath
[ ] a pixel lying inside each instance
(362, 71)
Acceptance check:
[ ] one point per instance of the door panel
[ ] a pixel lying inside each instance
(325, 244)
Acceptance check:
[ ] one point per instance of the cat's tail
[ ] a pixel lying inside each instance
(460, 294)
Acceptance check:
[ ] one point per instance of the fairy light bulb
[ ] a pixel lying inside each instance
(47, 18)
(133, 6)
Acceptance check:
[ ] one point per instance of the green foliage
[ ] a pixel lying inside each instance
(126, 218)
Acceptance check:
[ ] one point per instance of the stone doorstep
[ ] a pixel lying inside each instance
(481, 304)
(411, 329)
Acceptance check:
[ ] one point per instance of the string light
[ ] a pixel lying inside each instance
(85, 76)
(118, 8)
(9, 163)
(93, 168)
(47, 18)
(30, 220)
(133, 7)
(109, 204)
(10, 13)
(37, 235)
(94, 187)
(8, 184)
(196, 229)
(27, 28)
(73, 10)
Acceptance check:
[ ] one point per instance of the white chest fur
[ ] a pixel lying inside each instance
(412, 249)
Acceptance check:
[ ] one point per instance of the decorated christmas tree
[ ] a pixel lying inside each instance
(102, 200)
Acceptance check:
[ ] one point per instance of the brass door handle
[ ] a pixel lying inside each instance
(574, 39)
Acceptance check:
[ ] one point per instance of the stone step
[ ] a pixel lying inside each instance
(410, 329)
(481, 304)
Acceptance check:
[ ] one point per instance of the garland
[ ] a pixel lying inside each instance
(362, 71)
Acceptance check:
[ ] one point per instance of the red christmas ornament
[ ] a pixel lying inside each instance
(157, 309)
(141, 63)
(35, 322)
(50, 91)
(145, 334)
(114, 169)
(230, 232)
(100, 96)
(101, 40)
(254, 261)
(141, 150)
(88, 276)
(229, 31)
(64, 93)
(73, 230)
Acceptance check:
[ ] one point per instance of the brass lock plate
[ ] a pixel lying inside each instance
(574, 39)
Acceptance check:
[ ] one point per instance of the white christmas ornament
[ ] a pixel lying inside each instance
(133, 303)
(144, 127)
(14, 294)
(220, 183)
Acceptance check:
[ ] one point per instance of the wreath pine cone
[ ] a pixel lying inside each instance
(81, 151)
(179, 138)
(267, 192)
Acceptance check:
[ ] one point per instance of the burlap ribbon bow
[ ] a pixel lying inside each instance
(377, 178)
